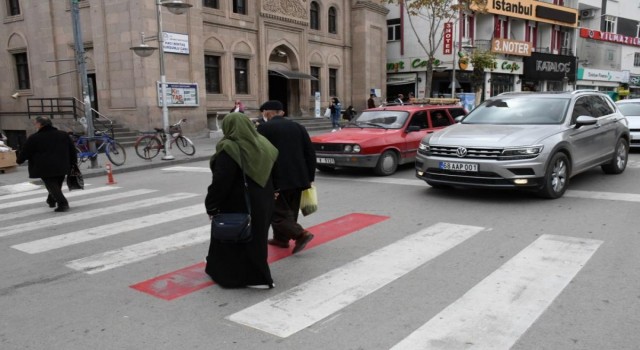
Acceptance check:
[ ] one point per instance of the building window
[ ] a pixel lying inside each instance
(242, 75)
(394, 30)
(212, 74)
(467, 28)
(333, 82)
(531, 34)
(240, 6)
(210, 3)
(13, 6)
(333, 20)
(609, 24)
(501, 27)
(315, 84)
(314, 16)
(636, 59)
(22, 68)
(610, 55)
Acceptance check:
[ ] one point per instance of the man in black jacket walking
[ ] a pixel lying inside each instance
(50, 153)
(294, 172)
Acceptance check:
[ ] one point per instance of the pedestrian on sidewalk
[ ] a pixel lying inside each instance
(295, 172)
(241, 148)
(238, 107)
(336, 112)
(50, 153)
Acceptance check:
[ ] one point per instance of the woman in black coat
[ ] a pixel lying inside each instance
(241, 265)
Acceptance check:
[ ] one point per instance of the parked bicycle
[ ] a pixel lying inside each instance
(104, 143)
(150, 143)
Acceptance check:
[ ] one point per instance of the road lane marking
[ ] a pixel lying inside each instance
(141, 251)
(83, 202)
(65, 218)
(71, 194)
(93, 233)
(612, 196)
(497, 311)
(193, 278)
(19, 187)
(291, 311)
(191, 169)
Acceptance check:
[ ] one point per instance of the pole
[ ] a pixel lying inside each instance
(453, 67)
(163, 84)
(82, 70)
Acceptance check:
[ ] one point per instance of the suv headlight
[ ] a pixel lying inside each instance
(424, 148)
(528, 152)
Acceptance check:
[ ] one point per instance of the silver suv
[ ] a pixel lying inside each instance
(534, 141)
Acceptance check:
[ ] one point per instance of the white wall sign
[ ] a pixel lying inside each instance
(175, 43)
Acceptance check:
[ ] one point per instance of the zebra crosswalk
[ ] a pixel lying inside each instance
(494, 313)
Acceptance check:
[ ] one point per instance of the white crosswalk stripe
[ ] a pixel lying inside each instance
(84, 215)
(141, 251)
(78, 203)
(93, 233)
(191, 169)
(67, 195)
(499, 309)
(18, 188)
(298, 308)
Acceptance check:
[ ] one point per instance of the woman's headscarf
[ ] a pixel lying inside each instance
(242, 141)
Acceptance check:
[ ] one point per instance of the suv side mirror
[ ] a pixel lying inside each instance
(585, 120)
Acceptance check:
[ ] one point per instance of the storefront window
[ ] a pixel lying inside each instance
(554, 86)
(501, 83)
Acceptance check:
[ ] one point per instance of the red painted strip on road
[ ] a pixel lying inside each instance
(193, 278)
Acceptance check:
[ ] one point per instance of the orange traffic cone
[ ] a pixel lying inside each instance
(110, 180)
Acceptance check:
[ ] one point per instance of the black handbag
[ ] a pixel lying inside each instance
(233, 227)
(75, 181)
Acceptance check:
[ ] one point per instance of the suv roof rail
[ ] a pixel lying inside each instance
(583, 90)
(437, 101)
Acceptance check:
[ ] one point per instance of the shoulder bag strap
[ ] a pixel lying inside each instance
(246, 187)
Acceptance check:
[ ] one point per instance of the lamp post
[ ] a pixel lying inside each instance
(177, 7)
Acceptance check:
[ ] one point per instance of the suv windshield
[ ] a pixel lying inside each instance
(381, 119)
(520, 110)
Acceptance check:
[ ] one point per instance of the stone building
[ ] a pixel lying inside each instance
(218, 52)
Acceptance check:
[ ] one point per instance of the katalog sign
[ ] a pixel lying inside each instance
(447, 45)
(175, 43)
(544, 66)
(179, 95)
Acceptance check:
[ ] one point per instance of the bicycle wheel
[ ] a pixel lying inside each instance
(116, 154)
(148, 147)
(185, 145)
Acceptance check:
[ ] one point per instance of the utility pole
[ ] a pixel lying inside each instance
(82, 70)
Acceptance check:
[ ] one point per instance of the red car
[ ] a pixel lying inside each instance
(382, 138)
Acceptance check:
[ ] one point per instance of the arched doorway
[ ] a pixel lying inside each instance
(286, 82)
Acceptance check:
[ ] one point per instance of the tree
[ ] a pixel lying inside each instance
(435, 13)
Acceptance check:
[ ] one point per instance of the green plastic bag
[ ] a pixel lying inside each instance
(309, 201)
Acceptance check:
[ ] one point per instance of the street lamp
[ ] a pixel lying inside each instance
(177, 7)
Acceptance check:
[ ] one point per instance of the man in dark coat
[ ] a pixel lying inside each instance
(50, 153)
(295, 172)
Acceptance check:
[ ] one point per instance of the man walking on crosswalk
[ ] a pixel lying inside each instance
(295, 172)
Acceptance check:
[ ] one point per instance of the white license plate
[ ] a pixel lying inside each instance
(459, 166)
(325, 160)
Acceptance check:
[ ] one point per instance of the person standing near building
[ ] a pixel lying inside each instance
(238, 107)
(371, 102)
(295, 172)
(336, 111)
(50, 153)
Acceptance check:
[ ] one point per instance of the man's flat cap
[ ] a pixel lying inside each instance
(272, 105)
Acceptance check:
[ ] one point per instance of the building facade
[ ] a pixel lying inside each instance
(539, 46)
(218, 52)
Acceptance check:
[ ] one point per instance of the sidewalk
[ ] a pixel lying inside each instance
(205, 148)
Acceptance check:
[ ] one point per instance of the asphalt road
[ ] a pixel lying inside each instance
(395, 264)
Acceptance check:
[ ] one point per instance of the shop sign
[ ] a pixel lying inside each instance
(511, 47)
(603, 75)
(530, 10)
(610, 37)
(634, 80)
(509, 67)
(447, 45)
(542, 66)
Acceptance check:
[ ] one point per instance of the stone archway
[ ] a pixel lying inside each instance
(286, 82)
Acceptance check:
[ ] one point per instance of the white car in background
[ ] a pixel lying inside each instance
(631, 109)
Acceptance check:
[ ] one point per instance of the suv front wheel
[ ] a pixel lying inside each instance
(619, 161)
(556, 178)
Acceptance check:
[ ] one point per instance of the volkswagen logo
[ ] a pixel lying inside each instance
(461, 152)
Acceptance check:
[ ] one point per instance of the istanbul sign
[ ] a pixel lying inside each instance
(531, 10)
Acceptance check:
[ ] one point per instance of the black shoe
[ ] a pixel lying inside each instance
(51, 204)
(301, 242)
(61, 209)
